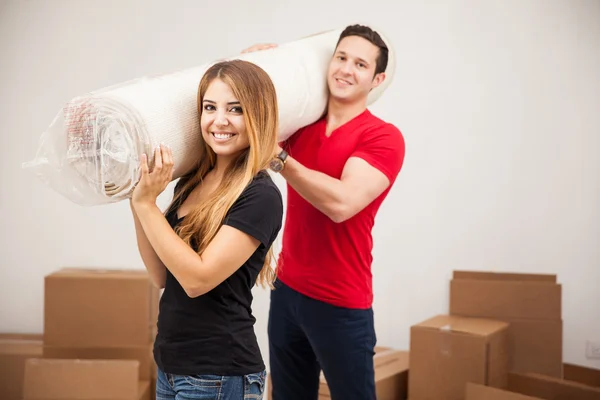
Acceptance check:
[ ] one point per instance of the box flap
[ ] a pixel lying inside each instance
(92, 273)
(384, 357)
(481, 392)
(22, 336)
(21, 347)
(503, 276)
(550, 388)
(472, 326)
(505, 299)
(399, 364)
(391, 362)
(578, 373)
(144, 390)
(13, 353)
(81, 379)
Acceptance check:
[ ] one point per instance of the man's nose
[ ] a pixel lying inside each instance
(346, 68)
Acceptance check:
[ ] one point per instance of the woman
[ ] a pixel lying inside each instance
(215, 240)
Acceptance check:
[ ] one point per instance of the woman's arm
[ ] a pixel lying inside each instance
(155, 267)
(250, 223)
(197, 274)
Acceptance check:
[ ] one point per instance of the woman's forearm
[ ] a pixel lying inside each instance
(155, 267)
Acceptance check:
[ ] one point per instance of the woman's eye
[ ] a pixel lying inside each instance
(208, 107)
(237, 110)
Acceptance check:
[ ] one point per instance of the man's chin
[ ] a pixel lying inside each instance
(340, 96)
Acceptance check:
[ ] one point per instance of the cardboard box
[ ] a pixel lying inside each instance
(15, 349)
(99, 308)
(83, 379)
(530, 303)
(481, 392)
(391, 376)
(22, 336)
(578, 373)
(153, 383)
(541, 387)
(551, 388)
(446, 352)
(142, 354)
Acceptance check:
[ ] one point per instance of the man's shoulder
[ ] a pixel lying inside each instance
(378, 127)
(379, 123)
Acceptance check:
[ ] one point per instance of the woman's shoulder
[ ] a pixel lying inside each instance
(262, 188)
(263, 181)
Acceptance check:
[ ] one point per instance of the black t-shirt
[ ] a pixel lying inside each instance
(214, 333)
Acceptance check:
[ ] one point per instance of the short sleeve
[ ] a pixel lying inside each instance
(258, 211)
(384, 149)
(289, 143)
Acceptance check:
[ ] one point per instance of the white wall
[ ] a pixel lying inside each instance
(499, 103)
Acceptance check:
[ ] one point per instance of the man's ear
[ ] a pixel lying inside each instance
(377, 80)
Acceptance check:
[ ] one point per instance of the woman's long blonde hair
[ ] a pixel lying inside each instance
(255, 91)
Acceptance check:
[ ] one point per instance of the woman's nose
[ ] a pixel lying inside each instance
(221, 119)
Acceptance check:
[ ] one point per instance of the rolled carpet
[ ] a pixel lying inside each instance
(91, 150)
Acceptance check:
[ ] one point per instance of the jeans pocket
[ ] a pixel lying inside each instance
(254, 385)
(204, 381)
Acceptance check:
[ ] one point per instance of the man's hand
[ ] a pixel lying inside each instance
(259, 47)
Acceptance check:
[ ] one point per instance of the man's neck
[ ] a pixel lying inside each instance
(339, 113)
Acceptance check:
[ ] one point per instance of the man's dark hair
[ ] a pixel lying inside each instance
(369, 34)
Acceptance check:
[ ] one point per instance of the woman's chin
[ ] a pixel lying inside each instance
(227, 150)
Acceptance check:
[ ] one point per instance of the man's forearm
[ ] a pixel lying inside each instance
(325, 193)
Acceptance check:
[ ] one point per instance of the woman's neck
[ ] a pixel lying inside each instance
(221, 165)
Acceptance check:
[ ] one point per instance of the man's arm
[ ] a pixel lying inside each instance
(339, 199)
(366, 175)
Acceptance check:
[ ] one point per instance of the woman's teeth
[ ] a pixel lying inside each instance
(223, 135)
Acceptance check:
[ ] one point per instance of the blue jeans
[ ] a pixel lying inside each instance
(307, 335)
(209, 387)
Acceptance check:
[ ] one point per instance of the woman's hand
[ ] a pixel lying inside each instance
(153, 183)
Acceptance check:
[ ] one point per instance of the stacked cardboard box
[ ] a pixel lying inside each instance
(502, 340)
(96, 322)
(447, 352)
(14, 351)
(581, 384)
(530, 303)
(391, 376)
(50, 379)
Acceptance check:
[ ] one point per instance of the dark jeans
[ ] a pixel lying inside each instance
(307, 335)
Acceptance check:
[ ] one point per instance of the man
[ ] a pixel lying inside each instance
(338, 172)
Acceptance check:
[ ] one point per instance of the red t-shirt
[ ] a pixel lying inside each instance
(321, 259)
